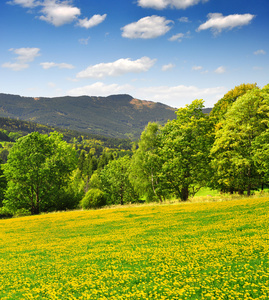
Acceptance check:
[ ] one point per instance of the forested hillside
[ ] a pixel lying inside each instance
(119, 116)
(226, 150)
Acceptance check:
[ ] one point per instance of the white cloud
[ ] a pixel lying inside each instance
(15, 66)
(99, 89)
(161, 4)
(24, 56)
(197, 68)
(146, 28)
(217, 22)
(177, 37)
(84, 41)
(258, 52)
(24, 3)
(175, 96)
(179, 96)
(184, 20)
(118, 67)
(59, 13)
(167, 67)
(93, 21)
(220, 70)
(48, 65)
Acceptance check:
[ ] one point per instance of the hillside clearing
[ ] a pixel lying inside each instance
(215, 250)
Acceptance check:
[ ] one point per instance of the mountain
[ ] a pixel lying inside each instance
(118, 116)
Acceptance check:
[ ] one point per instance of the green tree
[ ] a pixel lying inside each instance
(3, 185)
(115, 181)
(94, 198)
(37, 170)
(146, 164)
(185, 148)
(221, 107)
(240, 151)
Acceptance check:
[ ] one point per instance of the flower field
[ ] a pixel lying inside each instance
(216, 250)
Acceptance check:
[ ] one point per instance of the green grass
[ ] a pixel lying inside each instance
(213, 250)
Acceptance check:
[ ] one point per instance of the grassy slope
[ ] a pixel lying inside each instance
(216, 250)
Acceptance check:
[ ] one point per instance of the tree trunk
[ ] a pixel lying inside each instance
(121, 194)
(249, 190)
(185, 193)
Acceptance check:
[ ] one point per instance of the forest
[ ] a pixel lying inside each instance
(226, 150)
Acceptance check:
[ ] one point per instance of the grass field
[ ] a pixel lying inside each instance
(215, 250)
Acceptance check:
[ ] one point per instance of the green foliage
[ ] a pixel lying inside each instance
(37, 170)
(95, 181)
(5, 212)
(115, 182)
(3, 185)
(94, 198)
(221, 107)
(185, 146)
(240, 151)
(146, 163)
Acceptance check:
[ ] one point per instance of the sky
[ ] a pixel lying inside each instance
(168, 51)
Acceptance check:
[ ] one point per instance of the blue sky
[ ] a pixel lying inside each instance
(169, 51)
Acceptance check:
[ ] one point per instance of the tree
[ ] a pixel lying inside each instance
(221, 107)
(146, 164)
(3, 185)
(37, 170)
(185, 146)
(115, 181)
(240, 151)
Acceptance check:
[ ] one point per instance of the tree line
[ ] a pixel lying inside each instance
(226, 150)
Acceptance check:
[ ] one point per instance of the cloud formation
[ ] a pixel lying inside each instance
(59, 13)
(15, 66)
(220, 70)
(197, 68)
(175, 96)
(99, 89)
(147, 28)
(48, 65)
(162, 4)
(24, 56)
(118, 67)
(24, 3)
(177, 37)
(93, 21)
(184, 20)
(260, 52)
(217, 22)
(167, 67)
(180, 95)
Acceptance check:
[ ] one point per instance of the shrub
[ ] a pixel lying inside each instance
(22, 212)
(94, 198)
(5, 213)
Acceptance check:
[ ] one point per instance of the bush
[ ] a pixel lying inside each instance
(5, 213)
(94, 198)
(22, 212)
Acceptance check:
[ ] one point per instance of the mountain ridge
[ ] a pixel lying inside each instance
(120, 116)
(115, 115)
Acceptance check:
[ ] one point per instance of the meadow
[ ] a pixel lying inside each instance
(213, 250)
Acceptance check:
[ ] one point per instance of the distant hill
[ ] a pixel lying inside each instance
(26, 127)
(118, 116)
